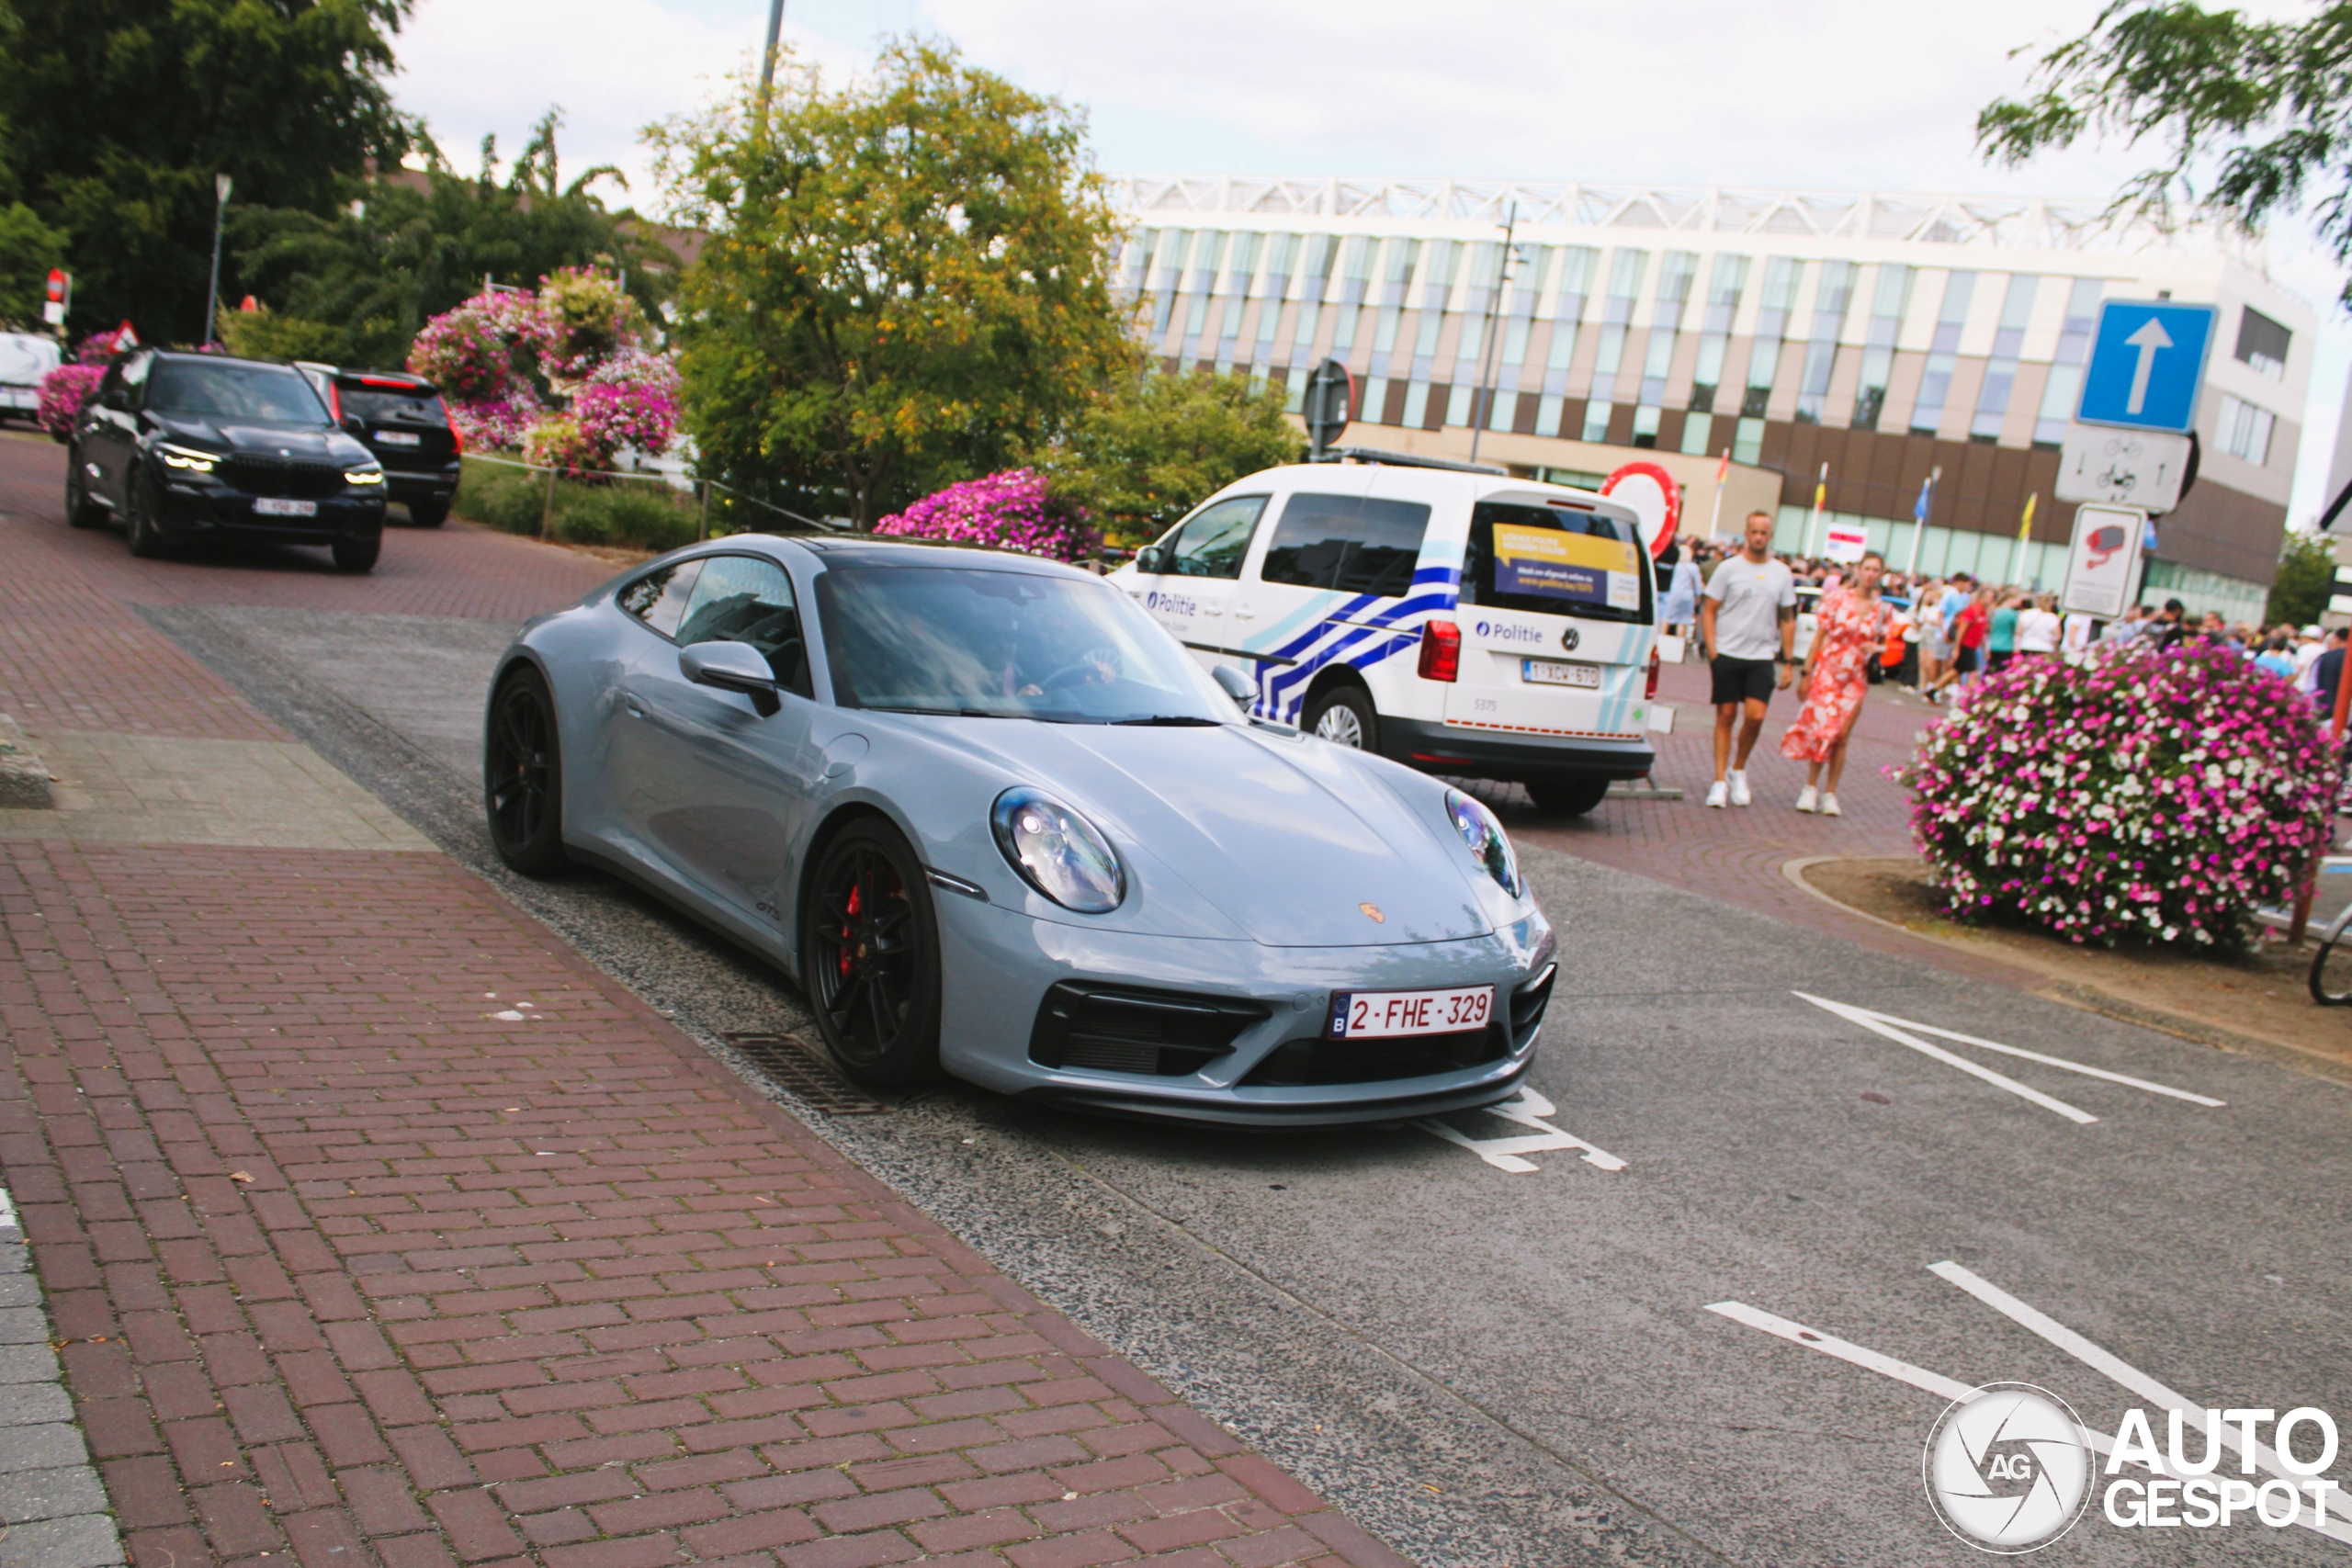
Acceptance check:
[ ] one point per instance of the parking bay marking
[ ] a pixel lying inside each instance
(2057, 1333)
(1897, 1030)
(1528, 1108)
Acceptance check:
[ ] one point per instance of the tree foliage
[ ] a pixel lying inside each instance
(905, 281)
(1154, 446)
(2306, 578)
(28, 248)
(117, 115)
(358, 284)
(2253, 115)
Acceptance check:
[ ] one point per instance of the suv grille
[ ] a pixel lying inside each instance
(1115, 1030)
(291, 477)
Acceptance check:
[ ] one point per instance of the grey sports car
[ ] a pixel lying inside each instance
(997, 823)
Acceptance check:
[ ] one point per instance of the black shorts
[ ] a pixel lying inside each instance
(1998, 659)
(1967, 662)
(1743, 679)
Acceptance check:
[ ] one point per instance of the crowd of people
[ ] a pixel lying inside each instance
(1737, 606)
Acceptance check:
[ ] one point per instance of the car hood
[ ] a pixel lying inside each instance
(1295, 842)
(318, 443)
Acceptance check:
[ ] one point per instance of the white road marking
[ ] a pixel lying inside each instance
(1953, 1389)
(1876, 1024)
(1528, 1108)
(2048, 1061)
(9, 1220)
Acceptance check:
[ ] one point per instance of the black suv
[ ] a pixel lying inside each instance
(400, 418)
(184, 446)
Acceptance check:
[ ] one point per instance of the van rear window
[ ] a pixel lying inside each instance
(1543, 561)
(1352, 543)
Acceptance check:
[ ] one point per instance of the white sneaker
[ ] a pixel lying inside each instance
(1739, 795)
(1829, 806)
(1806, 799)
(1717, 795)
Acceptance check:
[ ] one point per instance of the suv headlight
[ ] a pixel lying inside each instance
(1056, 851)
(1488, 844)
(363, 475)
(186, 458)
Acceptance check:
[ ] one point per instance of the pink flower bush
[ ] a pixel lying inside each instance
(557, 440)
(2132, 792)
(583, 319)
(1011, 509)
(469, 352)
(583, 336)
(497, 423)
(631, 400)
(62, 392)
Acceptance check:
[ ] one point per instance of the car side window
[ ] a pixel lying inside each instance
(659, 598)
(748, 599)
(1212, 542)
(1352, 543)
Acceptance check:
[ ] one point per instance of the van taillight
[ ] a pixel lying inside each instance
(1441, 651)
(457, 437)
(1650, 691)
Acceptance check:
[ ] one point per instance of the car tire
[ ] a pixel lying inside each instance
(1567, 796)
(358, 555)
(523, 776)
(869, 952)
(81, 512)
(146, 540)
(428, 513)
(1343, 715)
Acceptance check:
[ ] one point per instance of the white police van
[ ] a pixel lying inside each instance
(1457, 620)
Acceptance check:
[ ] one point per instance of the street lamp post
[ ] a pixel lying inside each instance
(1480, 399)
(212, 294)
(767, 59)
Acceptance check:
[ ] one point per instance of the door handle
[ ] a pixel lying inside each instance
(1244, 613)
(635, 704)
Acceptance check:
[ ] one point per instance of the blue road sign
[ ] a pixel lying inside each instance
(2147, 360)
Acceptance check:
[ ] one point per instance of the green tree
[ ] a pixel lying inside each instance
(28, 248)
(2306, 578)
(905, 282)
(1154, 446)
(119, 113)
(2253, 115)
(355, 286)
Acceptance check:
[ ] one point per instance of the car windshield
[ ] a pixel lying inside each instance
(1004, 644)
(265, 392)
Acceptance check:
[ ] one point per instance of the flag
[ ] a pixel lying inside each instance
(1919, 507)
(1722, 468)
(2025, 524)
(1821, 488)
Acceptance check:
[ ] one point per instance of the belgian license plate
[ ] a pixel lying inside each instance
(273, 506)
(1558, 672)
(397, 438)
(1386, 1015)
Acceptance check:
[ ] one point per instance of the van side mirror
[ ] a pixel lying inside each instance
(735, 667)
(1152, 559)
(1235, 684)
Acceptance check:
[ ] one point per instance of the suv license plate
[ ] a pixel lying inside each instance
(398, 438)
(271, 506)
(1387, 1015)
(1554, 673)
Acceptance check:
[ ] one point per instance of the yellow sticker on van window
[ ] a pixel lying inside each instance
(1557, 565)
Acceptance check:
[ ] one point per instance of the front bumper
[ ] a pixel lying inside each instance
(421, 484)
(1459, 752)
(999, 964)
(209, 510)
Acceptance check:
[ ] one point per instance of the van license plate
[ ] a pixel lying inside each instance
(1555, 672)
(1388, 1015)
(271, 506)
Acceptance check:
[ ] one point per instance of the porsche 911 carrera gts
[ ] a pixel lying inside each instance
(997, 823)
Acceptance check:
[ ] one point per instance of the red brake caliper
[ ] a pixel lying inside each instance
(849, 932)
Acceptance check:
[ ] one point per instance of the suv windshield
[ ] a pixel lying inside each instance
(1004, 644)
(1542, 560)
(268, 392)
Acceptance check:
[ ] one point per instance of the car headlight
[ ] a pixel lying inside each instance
(1488, 844)
(187, 458)
(1056, 851)
(363, 475)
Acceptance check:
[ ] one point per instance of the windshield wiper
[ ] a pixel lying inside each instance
(1173, 720)
(942, 713)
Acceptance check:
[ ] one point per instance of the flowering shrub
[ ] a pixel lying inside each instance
(62, 392)
(556, 441)
(1011, 509)
(469, 352)
(497, 423)
(2134, 791)
(631, 400)
(584, 318)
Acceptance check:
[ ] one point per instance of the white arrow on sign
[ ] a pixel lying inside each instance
(2151, 337)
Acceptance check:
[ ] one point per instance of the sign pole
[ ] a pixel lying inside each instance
(1820, 494)
(1715, 517)
(1482, 403)
(220, 184)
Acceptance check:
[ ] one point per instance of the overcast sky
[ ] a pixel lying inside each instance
(1835, 94)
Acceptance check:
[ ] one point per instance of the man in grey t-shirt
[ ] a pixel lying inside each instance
(1748, 623)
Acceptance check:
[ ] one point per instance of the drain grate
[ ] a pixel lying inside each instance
(807, 1072)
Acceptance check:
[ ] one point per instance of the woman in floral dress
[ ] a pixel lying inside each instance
(1848, 630)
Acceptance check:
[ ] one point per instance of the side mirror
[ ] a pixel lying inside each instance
(1152, 559)
(732, 666)
(353, 423)
(1235, 684)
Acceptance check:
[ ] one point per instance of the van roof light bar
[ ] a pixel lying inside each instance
(1411, 460)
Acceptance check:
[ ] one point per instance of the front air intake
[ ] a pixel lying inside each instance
(1117, 1029)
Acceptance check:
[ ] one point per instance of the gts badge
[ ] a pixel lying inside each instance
(770, 910)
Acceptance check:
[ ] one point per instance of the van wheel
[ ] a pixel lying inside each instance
(1571, 796)
(1343, 715)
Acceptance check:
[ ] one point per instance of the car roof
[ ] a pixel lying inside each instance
(865, 550)
(193, 356)
(1458, 483)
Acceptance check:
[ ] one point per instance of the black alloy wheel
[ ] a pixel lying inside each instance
(1567, 796)
(81, 512)
(523, 776)
(146, 539)
(870, 958)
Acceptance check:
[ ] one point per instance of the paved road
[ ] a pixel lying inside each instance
(1519, 1366)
